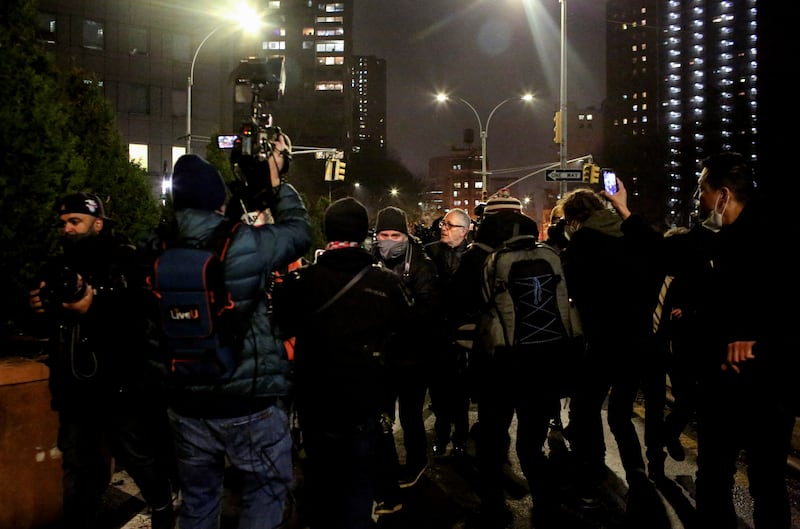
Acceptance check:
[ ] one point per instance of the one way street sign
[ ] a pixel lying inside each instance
(559, 175)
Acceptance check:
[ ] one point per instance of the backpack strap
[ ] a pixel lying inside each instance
(356, 278)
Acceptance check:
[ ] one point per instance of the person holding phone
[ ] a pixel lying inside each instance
(617, 326)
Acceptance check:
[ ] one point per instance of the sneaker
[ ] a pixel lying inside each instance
(438, 450)
(387, 507)
(410, 475)
(675, 449)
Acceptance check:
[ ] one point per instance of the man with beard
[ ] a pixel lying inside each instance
(100, 384)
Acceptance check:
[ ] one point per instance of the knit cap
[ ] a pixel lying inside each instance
(197, 184)
(85, 203)
(346, 220)
(392, 218)
(502, 201)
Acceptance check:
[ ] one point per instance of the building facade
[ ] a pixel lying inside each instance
(170, 69)
(681, 85)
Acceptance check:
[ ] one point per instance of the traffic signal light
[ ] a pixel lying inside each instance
(557, 127)
(339, 168)
(594, 178)
(591, 173)
(329, 170)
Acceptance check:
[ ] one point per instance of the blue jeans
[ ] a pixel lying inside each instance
(258, 445)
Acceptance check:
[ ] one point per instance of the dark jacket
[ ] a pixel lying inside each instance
(98, 357)
(339, 351)
(263, 370)
(752, 289)
(613, 280)
(419, 276)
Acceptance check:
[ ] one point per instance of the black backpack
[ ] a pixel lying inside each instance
(200, 326)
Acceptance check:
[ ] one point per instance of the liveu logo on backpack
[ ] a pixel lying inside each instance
(200, 326)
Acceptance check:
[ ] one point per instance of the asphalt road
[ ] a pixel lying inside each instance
(445, 497)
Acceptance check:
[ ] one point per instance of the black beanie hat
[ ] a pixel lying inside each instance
(197, 184)
(85, 203)
(346, 220)
(392, 218)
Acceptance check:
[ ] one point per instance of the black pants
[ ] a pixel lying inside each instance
(515, 382)
(450, 396)
(137, 439)
(742, 412)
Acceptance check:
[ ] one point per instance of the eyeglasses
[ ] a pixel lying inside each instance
(443, 223)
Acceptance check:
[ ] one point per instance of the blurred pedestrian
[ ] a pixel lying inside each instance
(344, 311)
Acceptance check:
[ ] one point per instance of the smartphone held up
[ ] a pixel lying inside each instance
(609, 181)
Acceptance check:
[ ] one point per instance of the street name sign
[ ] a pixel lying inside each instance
(561, 175)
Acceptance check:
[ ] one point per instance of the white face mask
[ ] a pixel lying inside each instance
(569, 230)
(714, 220)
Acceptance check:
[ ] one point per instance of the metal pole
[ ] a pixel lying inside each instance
(483, 147)
(562, 153)
(189, 83)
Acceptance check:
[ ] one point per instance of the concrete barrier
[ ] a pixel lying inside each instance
(30, 462)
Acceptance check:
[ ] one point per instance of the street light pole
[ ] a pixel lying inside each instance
(562, 152)
(189, 83)
(484, 132)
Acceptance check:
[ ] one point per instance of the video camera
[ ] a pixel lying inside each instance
(261, 81)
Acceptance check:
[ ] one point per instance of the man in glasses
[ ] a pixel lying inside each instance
(448, 387)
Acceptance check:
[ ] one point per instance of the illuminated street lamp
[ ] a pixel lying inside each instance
(484, 131)
(248, 21)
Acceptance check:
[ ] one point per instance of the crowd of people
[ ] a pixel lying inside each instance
(377, 329)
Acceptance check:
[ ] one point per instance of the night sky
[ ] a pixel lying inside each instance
(483, 51)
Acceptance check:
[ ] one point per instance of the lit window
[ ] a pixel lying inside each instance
(329, 86)
(308, 31)
(274, 45)
(330, 60)
(137, 153)
(330, 46)
(332, 32)
(333, 7)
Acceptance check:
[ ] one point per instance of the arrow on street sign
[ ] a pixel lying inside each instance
(560, 175)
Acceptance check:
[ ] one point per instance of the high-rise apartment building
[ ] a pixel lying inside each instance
(681, 84)
(143, 55)
(369, 109)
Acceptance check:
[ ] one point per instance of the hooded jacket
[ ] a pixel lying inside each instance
(612, 280)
